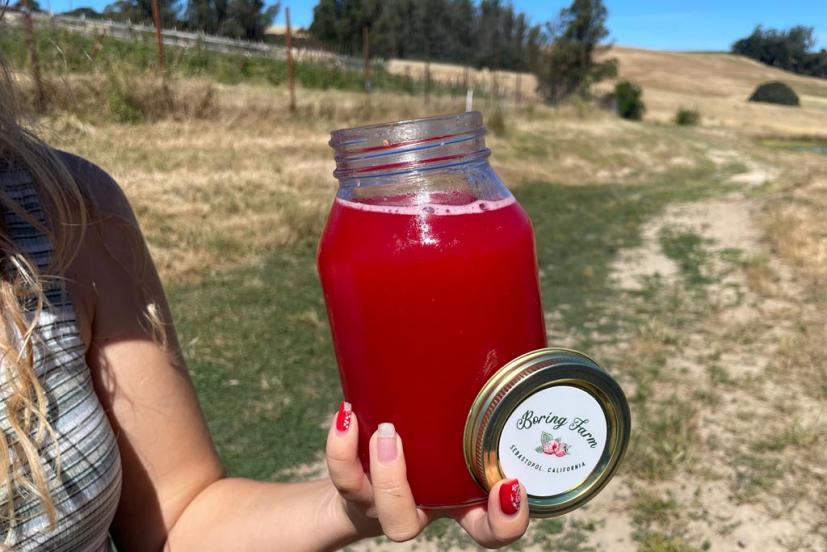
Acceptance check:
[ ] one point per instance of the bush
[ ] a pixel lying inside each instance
(138, 97)
(775, 92)
(125, 103)
(570, 65)
(125, 96)
(629, 102)
(687, 117)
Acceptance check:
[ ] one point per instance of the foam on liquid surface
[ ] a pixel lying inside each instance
(430, 208)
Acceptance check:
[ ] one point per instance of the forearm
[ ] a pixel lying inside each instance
(241, 514)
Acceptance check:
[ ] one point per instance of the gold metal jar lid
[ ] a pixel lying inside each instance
(553, 419)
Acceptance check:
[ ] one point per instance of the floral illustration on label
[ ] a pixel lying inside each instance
(552, 446)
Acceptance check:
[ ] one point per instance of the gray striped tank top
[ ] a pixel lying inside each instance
(86, 489)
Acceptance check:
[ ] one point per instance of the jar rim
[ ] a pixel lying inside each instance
(394, 133)
(414, 145)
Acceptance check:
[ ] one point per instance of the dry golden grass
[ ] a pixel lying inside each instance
(123, 96)
(715, 84)
(218, 191)
(505, 83)
(797, 228)
(579, 144)
(718, 86)
(215, 192)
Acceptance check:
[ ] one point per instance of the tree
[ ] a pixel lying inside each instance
(488, 35)
(248, 19)
(325, 21)
(491, 35)
(463, 15)
(568, 66)
(384, 36)
(206, 15)
(789, 50)
(533, 50)
(88, 13)
(518, 50)
(816, 64)
(339, 23)
(33, 5)
(430, 24)
(140, 11)
(234, 18)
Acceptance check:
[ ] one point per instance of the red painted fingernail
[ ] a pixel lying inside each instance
(510, 497)
(343, 417)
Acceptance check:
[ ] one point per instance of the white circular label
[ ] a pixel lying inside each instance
(553, 440)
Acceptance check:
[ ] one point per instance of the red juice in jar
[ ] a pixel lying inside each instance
(429, 273)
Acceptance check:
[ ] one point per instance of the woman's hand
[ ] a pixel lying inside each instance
(384, 504)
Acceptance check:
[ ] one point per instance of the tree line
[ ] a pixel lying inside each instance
(790, 50)
(246, 19)
(490, 33)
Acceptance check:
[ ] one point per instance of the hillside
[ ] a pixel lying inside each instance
(716, 84)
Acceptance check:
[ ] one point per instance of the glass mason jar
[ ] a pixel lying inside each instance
(429, 273)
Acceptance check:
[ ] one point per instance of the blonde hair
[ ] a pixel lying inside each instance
(26, 404)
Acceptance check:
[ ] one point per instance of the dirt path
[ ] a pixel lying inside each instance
(729, 448)
(756, 442)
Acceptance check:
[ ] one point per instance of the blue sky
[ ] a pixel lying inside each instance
(661, 24)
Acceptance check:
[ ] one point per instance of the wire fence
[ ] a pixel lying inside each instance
(499, 84)
(174, 37)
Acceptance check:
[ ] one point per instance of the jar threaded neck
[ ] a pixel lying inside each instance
(407, 146)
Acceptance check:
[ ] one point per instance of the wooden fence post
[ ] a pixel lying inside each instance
(291, 78)
(427, 80)
(98, 45)
(366, 58)
(40, 96)
(519, 92)
(156, 18)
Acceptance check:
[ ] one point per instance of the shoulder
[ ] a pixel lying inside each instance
(103, 193)
(111, 255)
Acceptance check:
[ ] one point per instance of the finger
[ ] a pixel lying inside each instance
(400, 518)
(343, 463)
(505, 520)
